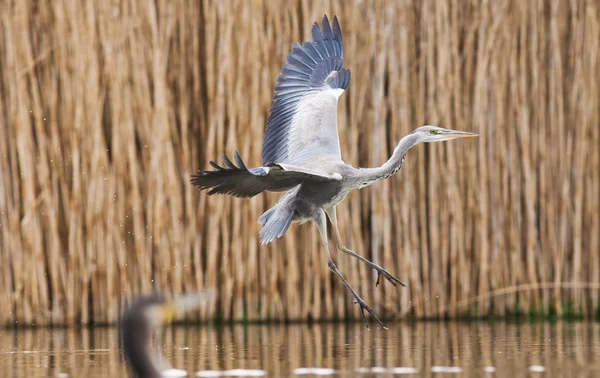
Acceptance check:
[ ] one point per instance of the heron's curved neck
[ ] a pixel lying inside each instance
(370, 176)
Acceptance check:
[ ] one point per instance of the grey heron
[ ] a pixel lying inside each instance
(301, 150)
(142, 318)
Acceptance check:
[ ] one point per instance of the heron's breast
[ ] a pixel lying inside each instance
(322, 194)
(337, 197)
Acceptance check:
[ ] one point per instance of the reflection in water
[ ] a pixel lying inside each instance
(563, 349)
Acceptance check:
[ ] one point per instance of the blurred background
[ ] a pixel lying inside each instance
(106, 108)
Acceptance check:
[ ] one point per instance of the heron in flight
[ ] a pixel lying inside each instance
(301, 151)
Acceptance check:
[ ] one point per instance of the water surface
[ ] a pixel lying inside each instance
(430, 348)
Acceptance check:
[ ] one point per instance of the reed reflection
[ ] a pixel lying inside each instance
(567, 349)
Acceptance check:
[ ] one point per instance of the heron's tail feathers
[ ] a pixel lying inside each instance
(266, 215)
(277, 219)
(275, 222)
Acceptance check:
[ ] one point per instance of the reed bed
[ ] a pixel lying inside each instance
(106, 108)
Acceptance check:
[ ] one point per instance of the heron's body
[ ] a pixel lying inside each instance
(301, 150)
(327, 194)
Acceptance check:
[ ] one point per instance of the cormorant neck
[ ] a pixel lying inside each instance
(136, 334)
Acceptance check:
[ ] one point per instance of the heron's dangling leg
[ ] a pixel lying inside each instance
(331, 214)
(321, 223)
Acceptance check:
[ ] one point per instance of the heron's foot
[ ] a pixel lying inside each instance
(391, 279)
(365, 307)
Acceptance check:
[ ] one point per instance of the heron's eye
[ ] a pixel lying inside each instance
(434, 131)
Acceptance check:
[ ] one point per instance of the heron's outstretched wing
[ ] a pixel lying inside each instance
(303, 119)
(244, 182)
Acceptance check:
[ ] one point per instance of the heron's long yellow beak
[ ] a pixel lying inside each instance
(460, 134)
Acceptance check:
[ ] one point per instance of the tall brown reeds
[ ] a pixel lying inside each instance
(106, 108)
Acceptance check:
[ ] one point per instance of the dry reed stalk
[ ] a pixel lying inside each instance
(108, 108)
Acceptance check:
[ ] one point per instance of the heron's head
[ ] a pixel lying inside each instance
(438, 134)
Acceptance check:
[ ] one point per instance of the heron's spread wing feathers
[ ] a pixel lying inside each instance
(240, 181)
(303, 118)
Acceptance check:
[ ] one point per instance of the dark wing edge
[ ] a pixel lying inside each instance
(313, 66)
(237, 181)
